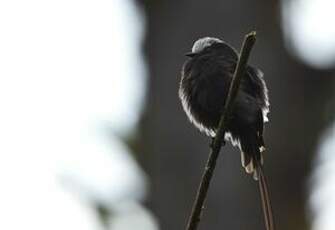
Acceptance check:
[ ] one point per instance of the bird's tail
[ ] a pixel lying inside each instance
(252, 148)
(265, 198)
(255, 167)
(252, 161)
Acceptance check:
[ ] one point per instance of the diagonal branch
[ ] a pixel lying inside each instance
(198, 205)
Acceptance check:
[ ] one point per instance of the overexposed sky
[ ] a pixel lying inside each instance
(309, 30)
(69, 71)
(322, 186)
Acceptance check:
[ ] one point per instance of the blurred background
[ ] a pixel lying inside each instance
(93, 136)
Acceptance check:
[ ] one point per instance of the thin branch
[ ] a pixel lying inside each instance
(198, 205)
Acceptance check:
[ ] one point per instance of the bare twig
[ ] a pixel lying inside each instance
(194, 219)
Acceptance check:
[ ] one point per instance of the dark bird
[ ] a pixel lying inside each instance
(204, 86)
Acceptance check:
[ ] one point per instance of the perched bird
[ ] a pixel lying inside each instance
(203, 90)
(204, 87)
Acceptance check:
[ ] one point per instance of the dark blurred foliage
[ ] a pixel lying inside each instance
(175, 152)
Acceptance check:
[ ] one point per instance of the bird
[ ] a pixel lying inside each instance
(203, 89)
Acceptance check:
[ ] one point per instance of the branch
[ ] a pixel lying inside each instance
(198, 205)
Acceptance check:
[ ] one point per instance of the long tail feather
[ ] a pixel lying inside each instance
(252, 148)
(265, 197)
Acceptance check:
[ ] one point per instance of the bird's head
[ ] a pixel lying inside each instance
(203, 44)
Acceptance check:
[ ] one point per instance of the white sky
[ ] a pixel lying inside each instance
(310, 31)
(68, 69)
(322, 198)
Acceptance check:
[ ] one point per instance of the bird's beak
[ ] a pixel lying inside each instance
(190, 54)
